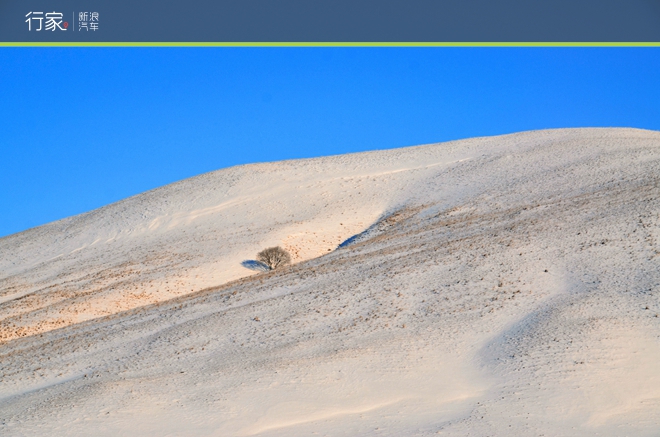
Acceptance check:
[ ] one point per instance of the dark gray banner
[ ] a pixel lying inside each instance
(330, 21)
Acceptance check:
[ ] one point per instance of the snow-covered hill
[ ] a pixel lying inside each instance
(497, 286)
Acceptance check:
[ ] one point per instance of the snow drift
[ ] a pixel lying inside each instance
(492, 286)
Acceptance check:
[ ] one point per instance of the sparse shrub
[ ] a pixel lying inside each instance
(274, 257)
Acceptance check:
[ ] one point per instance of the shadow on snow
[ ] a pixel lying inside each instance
(255, 265)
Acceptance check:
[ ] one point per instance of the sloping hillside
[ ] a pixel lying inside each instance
(498, 286)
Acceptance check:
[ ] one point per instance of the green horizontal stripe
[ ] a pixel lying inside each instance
(329, 44)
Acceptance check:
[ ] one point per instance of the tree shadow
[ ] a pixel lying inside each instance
(255, 265)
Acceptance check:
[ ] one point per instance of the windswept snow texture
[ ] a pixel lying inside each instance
(501, 286)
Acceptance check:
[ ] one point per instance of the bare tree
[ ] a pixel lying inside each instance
(274, 257)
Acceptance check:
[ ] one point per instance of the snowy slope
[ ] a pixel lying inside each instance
(498, 286)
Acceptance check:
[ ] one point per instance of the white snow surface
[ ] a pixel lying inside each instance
(497, 286)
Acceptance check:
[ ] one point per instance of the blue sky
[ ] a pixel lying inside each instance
(84, 127)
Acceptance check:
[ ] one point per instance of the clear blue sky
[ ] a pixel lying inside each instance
(81, 128)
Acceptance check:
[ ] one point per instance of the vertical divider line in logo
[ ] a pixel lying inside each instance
(74, 21)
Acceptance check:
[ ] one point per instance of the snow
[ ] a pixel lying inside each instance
(497, 286)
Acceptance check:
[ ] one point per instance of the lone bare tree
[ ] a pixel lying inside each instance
(274, 257)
